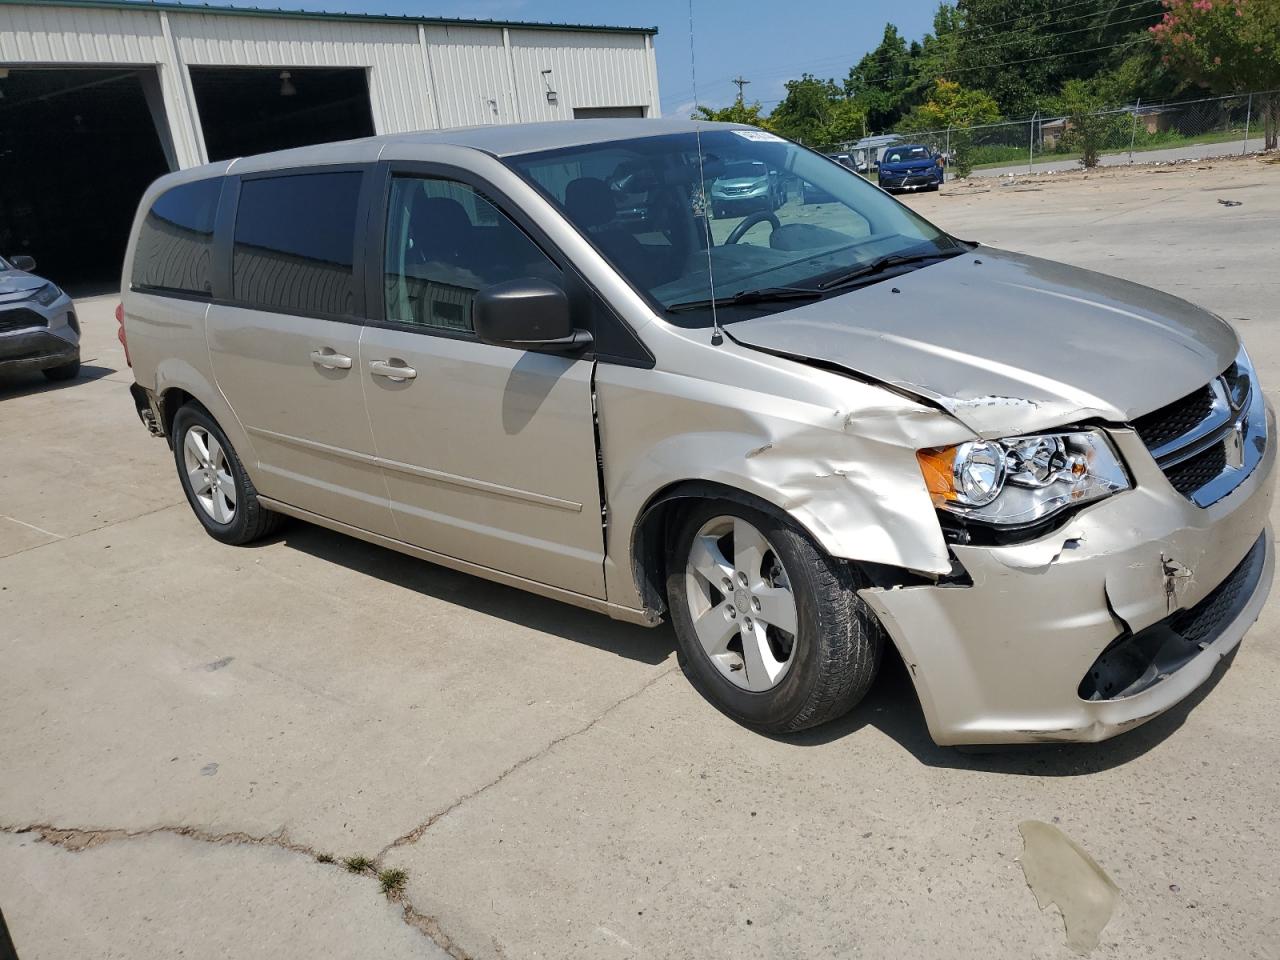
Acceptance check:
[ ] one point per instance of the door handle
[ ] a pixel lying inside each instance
(392, 370)
(327, 358)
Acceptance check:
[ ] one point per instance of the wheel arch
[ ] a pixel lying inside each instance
(179, 382)
(656, 522)
(655, 525)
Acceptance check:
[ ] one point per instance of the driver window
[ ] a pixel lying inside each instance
(446, 241)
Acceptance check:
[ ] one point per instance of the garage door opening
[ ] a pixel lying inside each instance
(77, 149)
(247, 110)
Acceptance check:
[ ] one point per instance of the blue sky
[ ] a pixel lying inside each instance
(766, 41)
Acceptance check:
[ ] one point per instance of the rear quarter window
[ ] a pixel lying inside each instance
(294, 249)
(174, 252)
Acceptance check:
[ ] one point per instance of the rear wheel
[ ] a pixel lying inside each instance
(221, 494)
(770, 628)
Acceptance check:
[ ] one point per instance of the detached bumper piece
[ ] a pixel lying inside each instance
(1137, 661)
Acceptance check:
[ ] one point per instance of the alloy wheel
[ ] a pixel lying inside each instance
(209, 474)
(741, 604)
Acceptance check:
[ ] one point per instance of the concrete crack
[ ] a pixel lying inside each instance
(414, 835)
(78, 839)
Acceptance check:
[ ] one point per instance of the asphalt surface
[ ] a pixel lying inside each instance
(188, 731)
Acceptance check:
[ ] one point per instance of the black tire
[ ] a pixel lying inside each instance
(838, 643)
(65, 371)
(251, 520)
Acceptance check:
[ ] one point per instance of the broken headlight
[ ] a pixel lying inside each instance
(1021, 480)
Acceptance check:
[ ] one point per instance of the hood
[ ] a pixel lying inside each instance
(923, 163)
(1009, 343)
(18, 281)
(737, 183)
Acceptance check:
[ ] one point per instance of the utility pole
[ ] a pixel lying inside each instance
(741, 82)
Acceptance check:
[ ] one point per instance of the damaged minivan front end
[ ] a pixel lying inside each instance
(1109, 549)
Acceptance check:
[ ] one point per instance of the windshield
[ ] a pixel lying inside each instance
(4, 264)
(642, 203)
(899, 154)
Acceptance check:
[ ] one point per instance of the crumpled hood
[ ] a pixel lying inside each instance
(18, 281)
(1011, 343)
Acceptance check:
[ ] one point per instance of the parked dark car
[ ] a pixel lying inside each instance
(911, 167)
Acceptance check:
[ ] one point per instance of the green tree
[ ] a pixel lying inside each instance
(1089, 128)
(881, 81)
(1023, 51)
(805, 113)
(951, 106)
(1229, 46)
(737, 112)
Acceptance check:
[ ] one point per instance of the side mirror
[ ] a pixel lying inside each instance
(23, 262)
(529, 314)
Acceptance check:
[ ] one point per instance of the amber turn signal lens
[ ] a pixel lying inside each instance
(938, 467)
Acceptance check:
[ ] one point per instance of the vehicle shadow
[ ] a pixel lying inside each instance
(893, 709)
(27, 384)
(651, 646)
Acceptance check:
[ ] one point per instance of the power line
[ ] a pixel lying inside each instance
(995, 43)
(1005, 38)
(1010, 63)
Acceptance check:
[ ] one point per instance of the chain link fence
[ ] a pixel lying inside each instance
(1136, 133)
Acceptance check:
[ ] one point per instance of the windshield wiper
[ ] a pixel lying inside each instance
(763, 295)
(885, 263)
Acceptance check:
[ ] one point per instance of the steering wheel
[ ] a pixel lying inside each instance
(750, 221)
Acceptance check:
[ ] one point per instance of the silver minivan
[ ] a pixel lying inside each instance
(803, 434)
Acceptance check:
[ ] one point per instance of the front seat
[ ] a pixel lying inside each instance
(440, 231)
(591, 205)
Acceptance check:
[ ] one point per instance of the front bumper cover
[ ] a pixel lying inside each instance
(1002, 661)
(40, 338)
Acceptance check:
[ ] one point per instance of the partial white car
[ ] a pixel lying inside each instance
(38, 325)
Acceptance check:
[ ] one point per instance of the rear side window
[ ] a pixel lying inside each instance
(175, 243)
(295, 242)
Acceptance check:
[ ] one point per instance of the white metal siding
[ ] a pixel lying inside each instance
(587, 70)
(54, 35)
(478, 74)
(390, 52)
(469, 71)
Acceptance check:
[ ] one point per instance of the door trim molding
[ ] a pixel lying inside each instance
(645, 618)
(424, 473)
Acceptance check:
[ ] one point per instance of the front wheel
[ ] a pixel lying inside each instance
(770, 629)
(221, 494)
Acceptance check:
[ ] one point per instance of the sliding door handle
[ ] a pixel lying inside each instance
(392, 369)
(330, 360)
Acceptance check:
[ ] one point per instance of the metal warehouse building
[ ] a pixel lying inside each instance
(97, 99)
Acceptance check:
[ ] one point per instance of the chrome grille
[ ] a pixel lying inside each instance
(1177, 419)
(1207, 442)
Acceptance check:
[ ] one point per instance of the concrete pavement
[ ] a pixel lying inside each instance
(189, 731)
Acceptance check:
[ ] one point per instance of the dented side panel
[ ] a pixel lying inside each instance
(836, 454)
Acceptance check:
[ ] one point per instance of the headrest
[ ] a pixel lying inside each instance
(438, 213)
(590, 202)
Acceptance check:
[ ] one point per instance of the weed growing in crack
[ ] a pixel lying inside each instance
(324, 858)
(392, 879)
(357, 864)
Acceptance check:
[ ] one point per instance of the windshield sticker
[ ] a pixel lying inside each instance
(759, 135)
